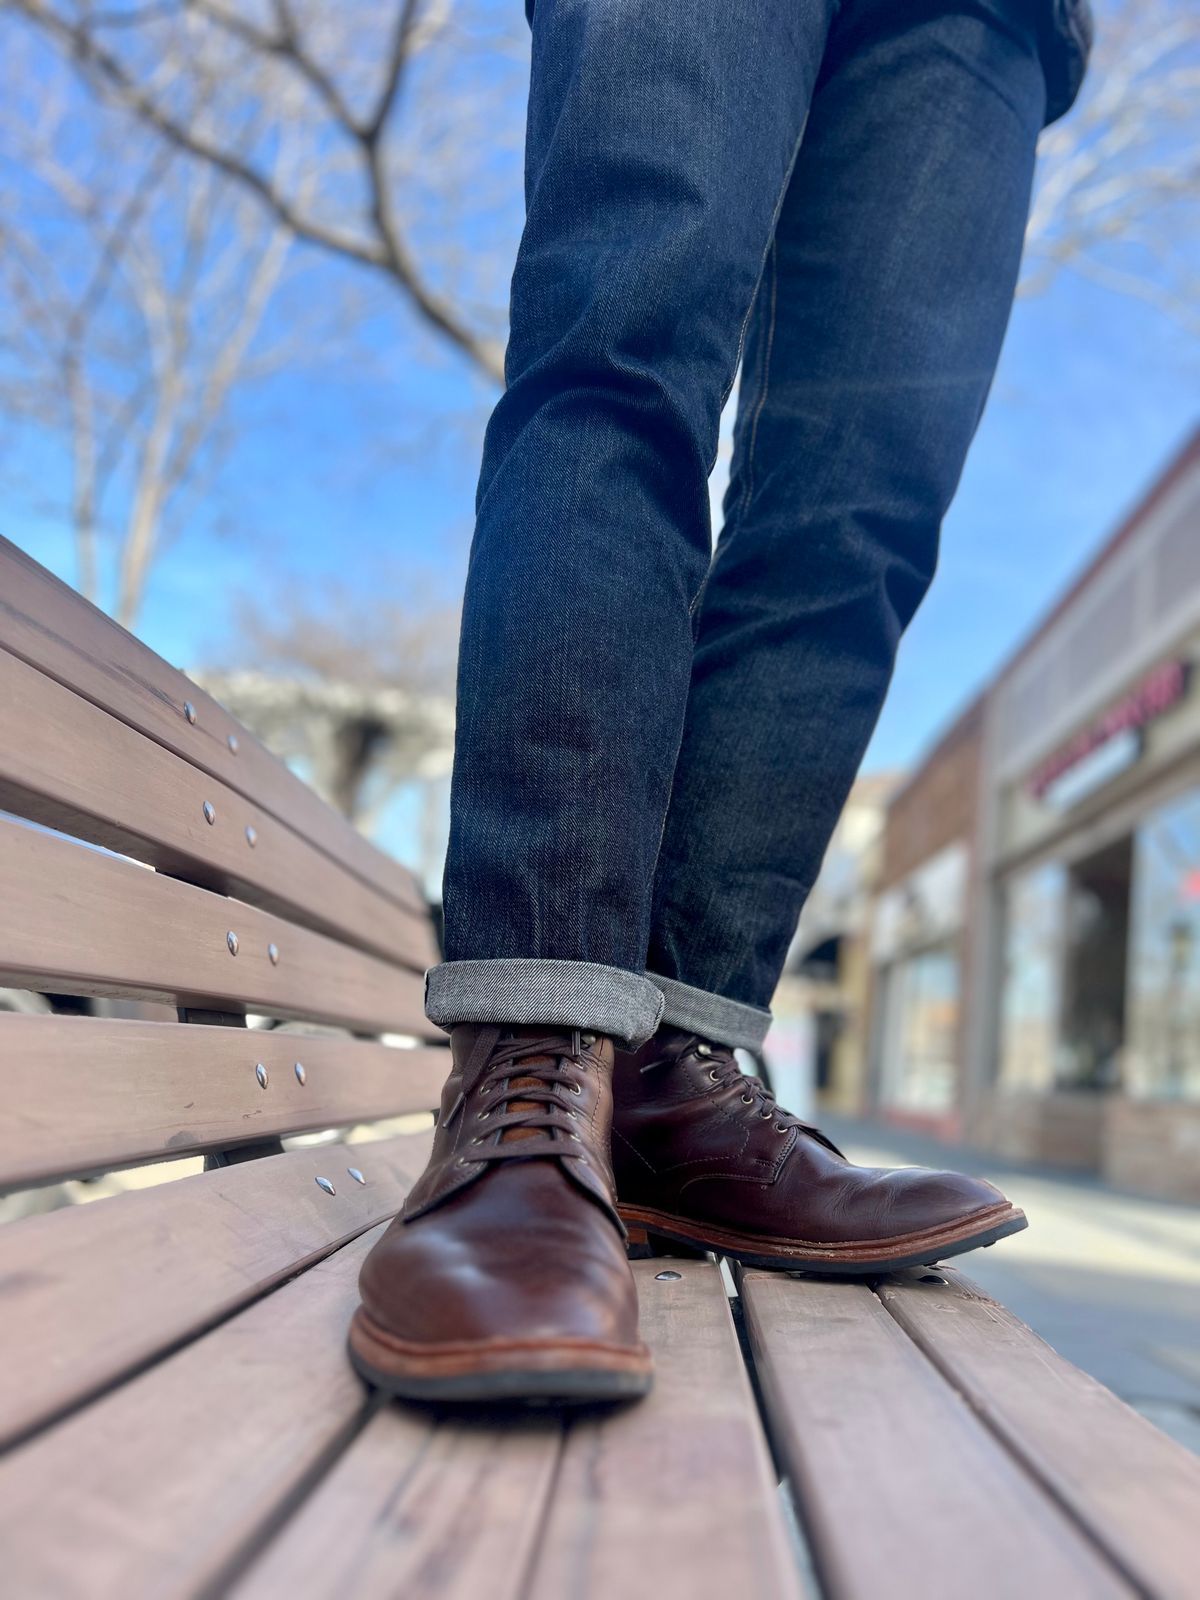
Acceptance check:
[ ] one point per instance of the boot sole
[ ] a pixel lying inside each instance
(565, 1373)
(866, 1259)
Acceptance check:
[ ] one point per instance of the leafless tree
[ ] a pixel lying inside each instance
(1118, 191)
(133, 291)
(381, 134)
(344, 72)
(1116, 198)
(141, 273)
(356, 689)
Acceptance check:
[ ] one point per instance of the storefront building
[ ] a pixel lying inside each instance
(1083, 1045)
(816, 1049)
(921, 936)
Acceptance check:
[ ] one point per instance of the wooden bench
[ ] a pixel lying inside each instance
(176, 1411)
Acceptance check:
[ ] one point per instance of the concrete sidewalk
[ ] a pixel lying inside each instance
(1111, 1280)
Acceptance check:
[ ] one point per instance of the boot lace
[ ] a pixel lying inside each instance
(725, 1074)
(527, 1089)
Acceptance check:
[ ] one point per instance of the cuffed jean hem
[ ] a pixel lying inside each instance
(562, 994)
(727, 1022)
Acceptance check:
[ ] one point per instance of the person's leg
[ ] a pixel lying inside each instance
(661, 135)
(872, 345)
(877, 329)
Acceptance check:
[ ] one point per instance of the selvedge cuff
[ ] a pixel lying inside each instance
(563, 994)
(712, 1016)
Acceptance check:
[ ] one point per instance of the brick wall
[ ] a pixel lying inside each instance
(1153, 1146)
(1062, 1130)
(939, 803)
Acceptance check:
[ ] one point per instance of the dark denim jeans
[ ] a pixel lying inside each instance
(654, 743)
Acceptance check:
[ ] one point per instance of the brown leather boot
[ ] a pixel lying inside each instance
(704, 1156)
(505, 1276)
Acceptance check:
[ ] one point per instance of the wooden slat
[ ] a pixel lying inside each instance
(80, 1095)
(674, 1495)
(65, 763)
(155, 1488)
(94, 1291)
(670, 1496)
(1134, 1489)
(426, 1510)
(75, 921)
(48, 625)
(880, 1449)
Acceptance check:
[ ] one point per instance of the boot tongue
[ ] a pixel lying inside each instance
(511, 1135)
(514, 1103)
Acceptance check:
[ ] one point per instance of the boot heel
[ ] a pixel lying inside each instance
(637, 1244)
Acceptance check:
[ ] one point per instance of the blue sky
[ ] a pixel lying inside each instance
(364, 459)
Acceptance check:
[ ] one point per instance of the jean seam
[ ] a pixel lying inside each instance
(767, 248)
(765, 389)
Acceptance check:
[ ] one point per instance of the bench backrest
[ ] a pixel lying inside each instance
(262, 901)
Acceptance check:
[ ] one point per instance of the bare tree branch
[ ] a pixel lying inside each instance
(382, 246)
(1126, 161)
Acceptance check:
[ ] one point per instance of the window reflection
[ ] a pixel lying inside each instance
(1164, 1020)
(1035, 915)
(919, 1072)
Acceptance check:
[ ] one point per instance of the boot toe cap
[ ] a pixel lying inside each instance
(920, 1198)
(427, 1284)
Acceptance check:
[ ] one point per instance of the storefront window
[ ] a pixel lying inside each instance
(1164, 980)
(1095, 965)
(921, 1037)
(1035, 928)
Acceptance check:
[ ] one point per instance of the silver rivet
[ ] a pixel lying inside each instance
(301, 1075)
(704, 1049)
(273, 952)
(260, 1072)
(667, 1277)
(356, 1174)
(251, 836)
(587, 1038)
(231, 939)
(324, 1183)
(189, 711)
(210, 812)
(232, 743)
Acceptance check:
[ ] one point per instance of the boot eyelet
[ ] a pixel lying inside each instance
(478, 1139)
(714, 1074)
(704, 1049)
(766, 1115)
(574, 1116)
(747, 1099)
(482, 1116)
(576, 1089)
(575, 1137)
(779, 1128)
